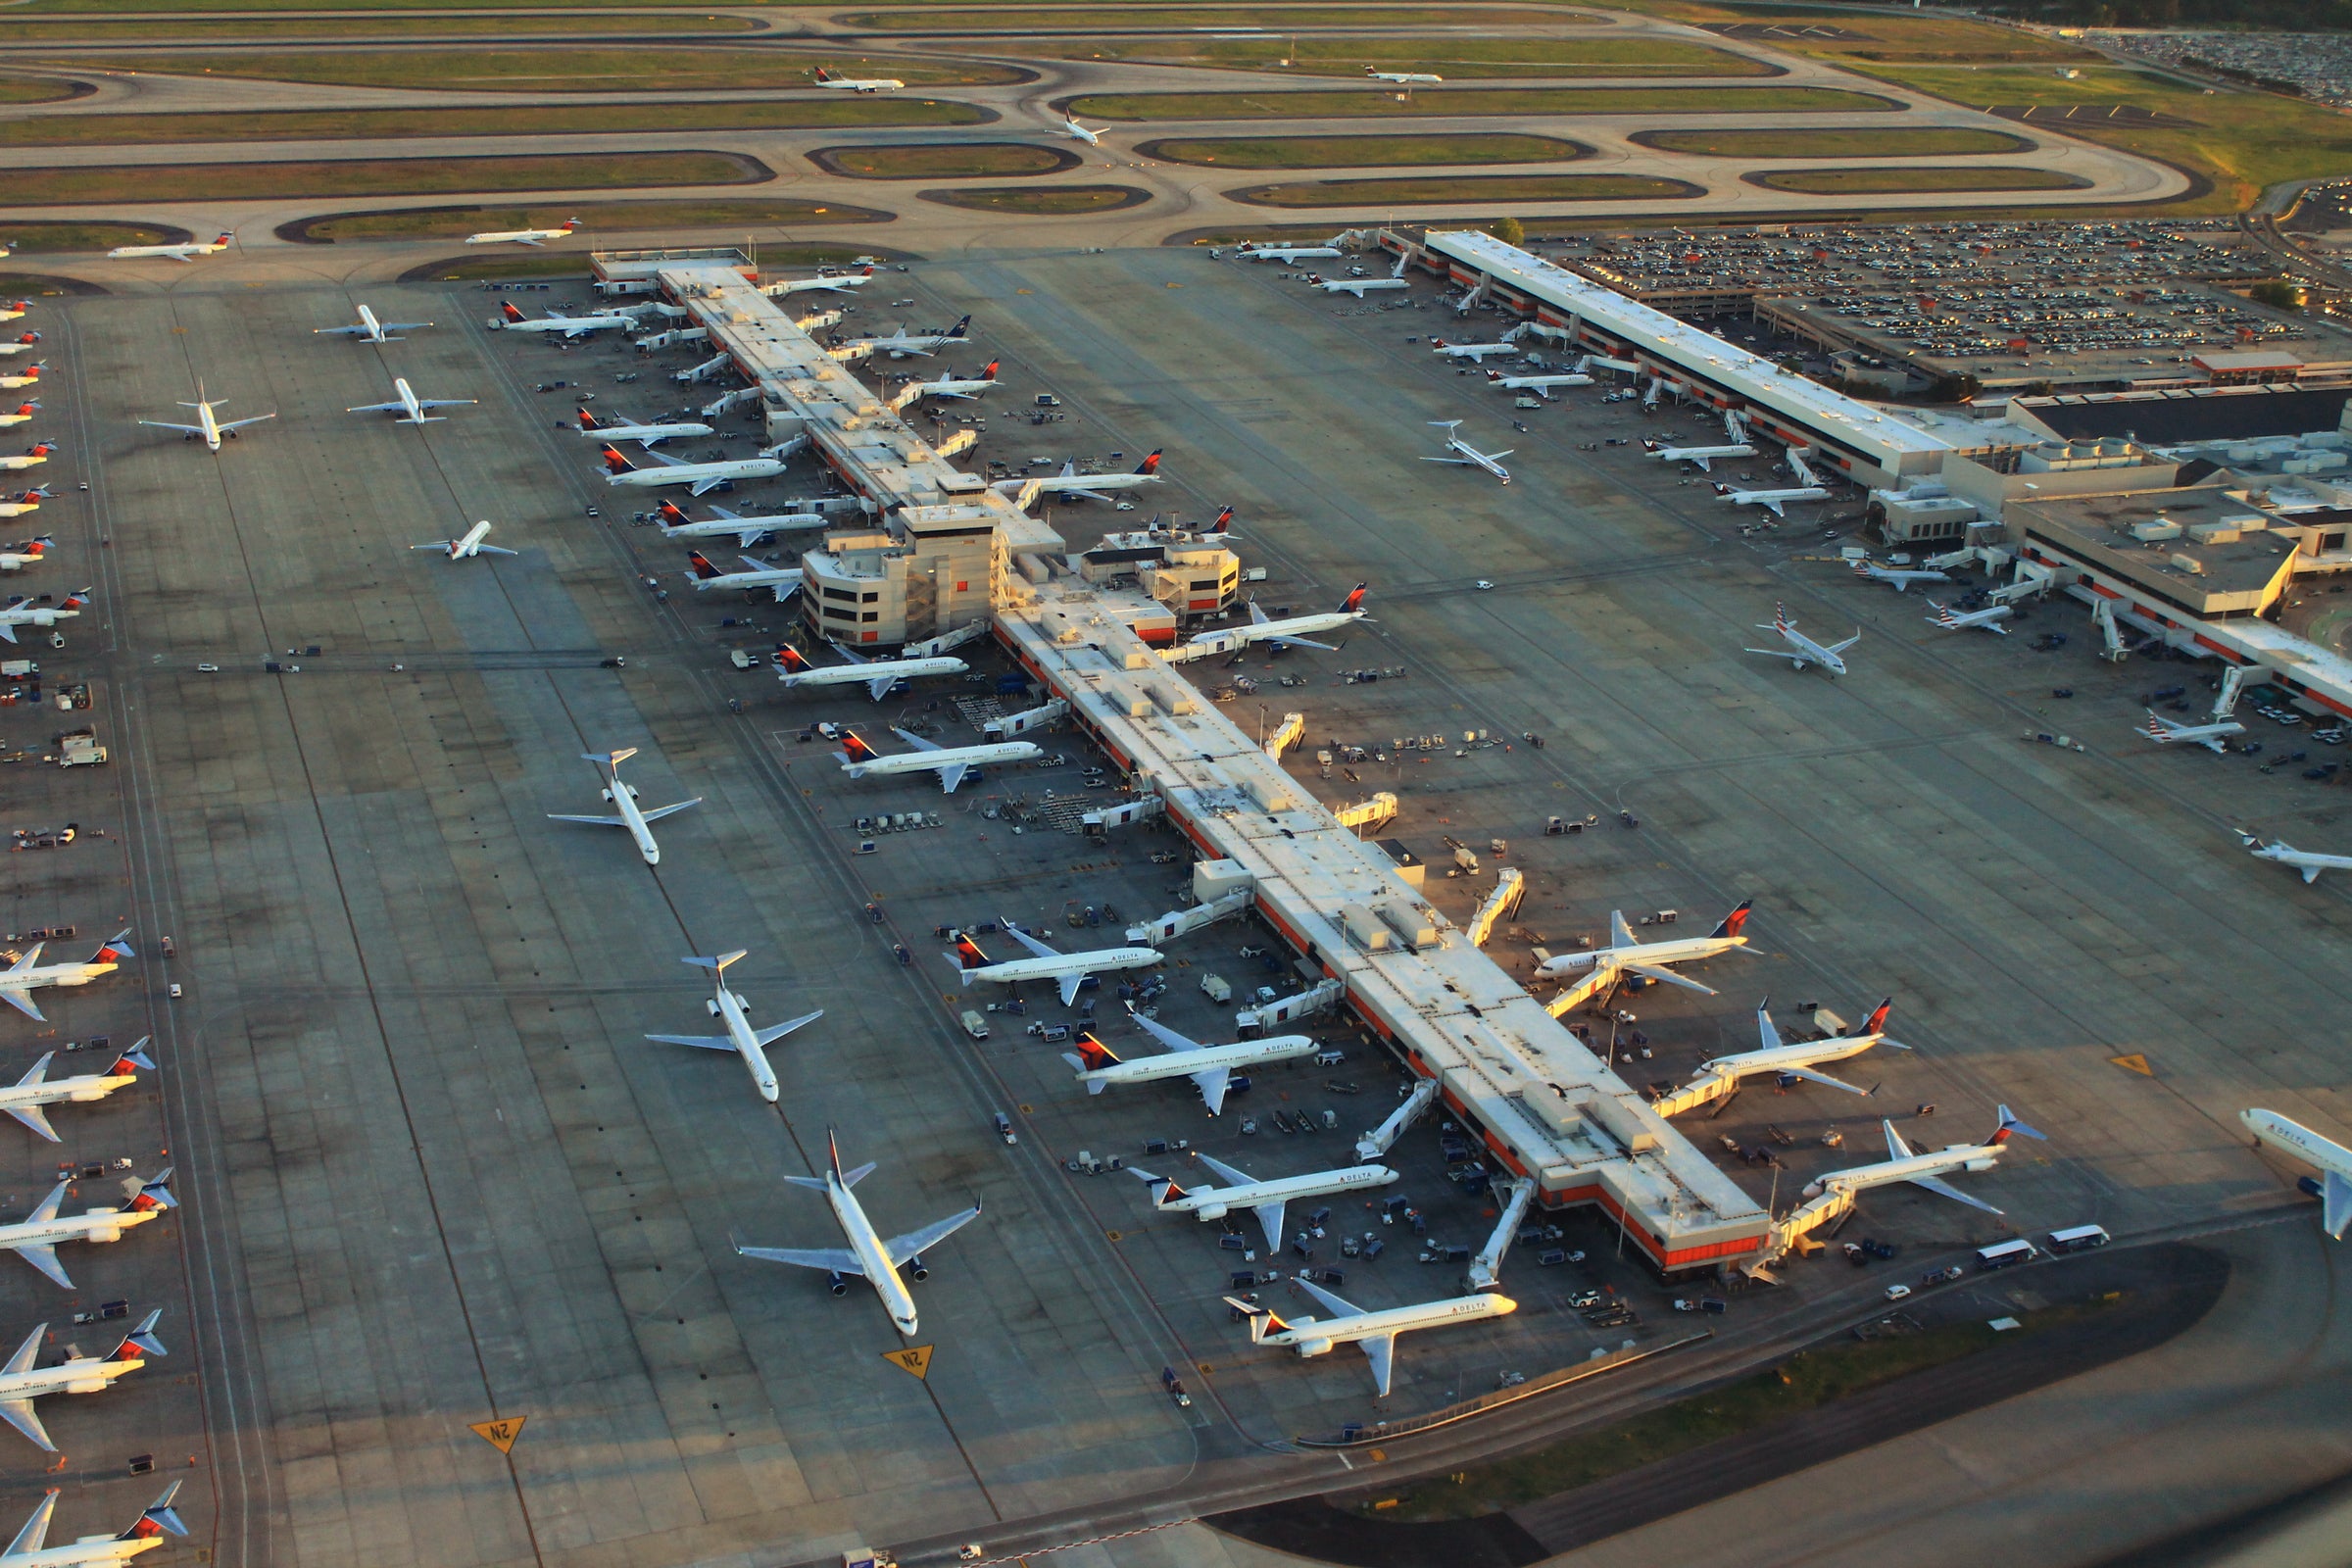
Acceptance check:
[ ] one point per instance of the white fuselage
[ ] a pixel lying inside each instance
(38, 615)
(31, 376)
(894, 669)
(730, 1008)
(1774, 498)
(1540, 383)
(574, 325)
(98, 1225)
(1898, 579)
(1474, 351)
(1702, 456)
(865, 1243)
(84, 1374)
(1479, 459)
(1215, 1202)
(1180, 1063)
(56, 974)
(21, 415)
(1269, 630)
(632, 817)
(898, 346)
(30, 502)
(945, 758)
(60, 1091)
(948, 386)
(775, 577)
(1291, 253)
(645, 435)
(25, 459)
(175, 253)
(2310, 863)
(700, 473)
(745, 531)
(1689, 950)
(18, 560)
(1359, 286)
(1012, 971)
(1311, 1336)
(2293, 1138)
(469, 543)
(800, 285)
(1911, 1167)
(91, 1551)
(207, 428)
(1807, 650)
(863, 83)
(1985, 620)
(1405, 78)
(2209, 736)
(519, 236)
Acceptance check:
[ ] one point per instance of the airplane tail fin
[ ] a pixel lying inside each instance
(135, 1060)
(158, 1517)
(141, 1339)
(115, 949)
(701, 566)
(791, 659)
(507, 309)
(568, 225)
(1876, 1023)
(968, 956)
(1149, 465)
(589, 421)
(611, 760)
(1258, 1316)
(1737, 919)
(1091, 1056)
(2010, 1124)
(615, 463)
(1354, 600)
(672, 514)
(961, 329)
(78, 597)
(156, 1193)
(833, 1153)
(1224, 518)
(854, 748)
(990, 374)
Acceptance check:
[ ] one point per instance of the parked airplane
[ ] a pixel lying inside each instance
(825, 78)
(27, 501)
(1538, 383)
(22, 1382)
(831, 282)
(1803, 650)
(512, 319)
(867, 1256)
(1773, 500)
(30, 375)
(950, 763)
(36, 1237)
(10, 310)
(2310, 863)
(1067, 970)
(1209, 1067)
(1603, 967)
(876, 676)
(1288, 632)
(2332, 1186)
(1928, 1169)
(207, 429)
(1287, 253)
(745, 531)
(1469, 455)
(523, 237)
(1404, 79)
(645, 435)
(968, 388)
(406, 408)
(1474, 352)
(1900, 577)
(24, 341)
(1351, 1324)
(746, 1041)
(624, 802)
(780, 582)
(1071, 485)
(370, 329)
(24, 553)
(1070, 126)
(1988, 618)
(146, 1533)
(32, 456)
(703, 477)
(1360, 286)
(1704, 457)
(25, 1097)
(28, 974)
(177, 252)
(901, 343)
(2212, 736)
(22, 611)
(25, 411)
(1717, 1078)
(469, 543)
(1265, 1200)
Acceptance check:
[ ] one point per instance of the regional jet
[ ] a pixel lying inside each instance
(1288, 632)
(28, 974)
(27, 501)
(22, 611)
(210, 430)
(1288, 253)
(1360, 286)
(2214, 737)
(25, 1097)
(1468, 456)
(901, 343)
(469, 543)
(22, 1382)
(1402, 78)
(1475, 353)
(1538, 383)
(2310, 863)
(32, 456)
(512, 319)
(876, 676)
(624, 802)
(950, 763)
(1265, 1200)
(832, 282)
(1928, 1169)
(406, 408)
(745, 531)
(1704, 457)
(1774, 501)
(1899, 577)
(36, 1237)
(370, 329)
(825, 78)
(703, 477)
(867, 1256)
(779, 582)
(1988, 618)
(1803, 650)
(177, 252)
(523, 237)
(23, 342)
(1351, 1324)
(645, 435)
(1067, 970)
(1209, 1067)
(746, 1041)
(1603, 967)
(146, 1533)
(2332, 1186)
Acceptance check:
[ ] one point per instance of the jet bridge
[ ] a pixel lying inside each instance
(1485, 1269)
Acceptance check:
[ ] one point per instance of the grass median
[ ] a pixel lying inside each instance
(106, 29)
(1052, 201)
(455, 222)
(1362, 152)
(1861, 37)
(38, 239)
(1452, 58)
(839, 111)
(66, 185)
(1907, 181)
(1459, 189)
(39, 90)
(1309, 104)
(1894, 141)
(554, 70)
(941, 159)
(1022, 19)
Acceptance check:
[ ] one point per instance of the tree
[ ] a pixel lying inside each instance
(2278, 294)
(1510, 231)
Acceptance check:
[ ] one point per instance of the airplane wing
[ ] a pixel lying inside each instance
(1811, 1076)
(706, 1042)
(1169, 1039)
(661, 811)
(17, 1413)
(1329, 1303)
(1381, 1351)
(36, 1533)
(1269, 1219)
(35, 1118)
(1775, 503)
(438, 544)
(495, 549)
(1621, 935)
(1226, 1173)
(593, 822)
(1213, 1082)
(1303, 642)
(524, 239)
(1027, 941)
(239, 424)
(832, 1259)
(22, 1000)
(1839, 648)
(1700, 457)
(1765, 1027)
(777, 1031)
(44, 1258)
(1896, 1149)
(1651, 971)
(23, 1360)
(1778, 652)
(349, 332)
(1944, 1189)
(1459, 463)
(2335, 1204)
(422, 403)
(952, 775)
(899, 1249)
(1069, 987)
(361, 407)
(699, 487)
(914, 740)
(166, 425)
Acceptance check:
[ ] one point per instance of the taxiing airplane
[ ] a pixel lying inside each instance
(406, 408)
(645, 435)
(370, 329)
(36, 1237)
(745, 531)
(32, 456)
(25, 1097)
(2214, 737)
(968, 388)
(780, 582)
(876, 676)
(1288, 632)
(1265, 1200)
(867, 1256)
(1928, 1169)
(523, 237)
(1067, 970)
(22, 1382)
(701, 478)
(27, 501)
(30, 375)
(1716, 1079)
(469, 543)
(1071, 127)
(1209, 1067)
(1474, 352)
(624, 802)
(177, 252)
(207, 429)
(1351, 1324)
(22, 611)
(1538, 383)
(1468, 456)
(512, 319)
(2333, 1185)
(950, 763)
(901, 343)
(1988, 618)
(1900, 578)
(1603, 967)
(746, 1041)
(1803, 650)
(24, 553)
(28, 974)
(1774, 501)
(2310, 863)
(1360, 286)
(825, 78)
(1404, 79)
(31, 1550)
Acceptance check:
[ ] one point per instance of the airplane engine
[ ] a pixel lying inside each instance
(710, 1004)
(917, 1267)
(106, 1233)
(1308, 1348)
(837, 1285)
(83, 1095)
(1979, 1164)
(1219, 1211)
(86, 1386)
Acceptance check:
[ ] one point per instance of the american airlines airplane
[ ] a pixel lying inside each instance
(1265, 1200)
(22, 611)
(1603, 967)
(32, 456)
(36, 1238)
(2307, 862)
(1988, 618)
(825, 78)
(1404, 79)
(1928, 1169)
(1375, 1332)
(1900, 578)
(701, 478)
(28, 974)
(22, 1382)
(207, 429)
(876, 676)
(2333, 1185)
(1717, 1078)
(1468, 456)
(406, 408)
(30, 1548)
(2172, 732)
(725, 524)
(746, 1041)
(25, 1097)
(469, 543)
(1067, 970)
(1070, 128)
(645, 435)
(867, 1256)
(1803, 650)
(177, 252)
(950, 763)
(779, 582)
(523, 237)
(370, 329)
(1209, 1067)
(1288, 632)
(624, 802)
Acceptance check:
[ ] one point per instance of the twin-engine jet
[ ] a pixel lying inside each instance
(207, 429)
(867, 1256)
(1209, 1067)
(1803, 650)
(28, 974)
(1067, 970)
(1467, 456)
(1349, 1324)
(742, 1037)
(624, 800)
(951, 762)
(406, 408)
(523, 237)
(615, 431)
(1267, 1200)
(22, 1382)
(2308, 861)
(468, 543)
(173, 253)
(146, 1533)
(370, 329)
(876, 676)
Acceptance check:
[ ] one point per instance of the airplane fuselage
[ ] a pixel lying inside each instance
(1689, 950)
(1887, 1172)
(730, 1006)
(700, 473)
(945, 758)
(1215, 1202)
(646, 434)
(98, 1225)
(1311, 1336)
(1012, 971)
(866, 674)
(1185, 1064)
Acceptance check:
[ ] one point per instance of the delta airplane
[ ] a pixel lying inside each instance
(523, 237)
(703, 477)
(207, 429)
(1803, 650)
(1716, 1079)
(1538, 383)
(370, 329)
(23, 342)
(1469, 455)
(740, 1038)
(25, 1097)
(867, 1256)
(2333, 1185)
(27, 501)
(25, 411)
(1988, 618)
(1288, 253)
(745, 531)
(469, 543)
(30, 375)
(1360, 286)
(781, 582)
(1265, 1200)
(512, 319)
(968, 388)
(406, 408)
(22, 1382)
(1209, 1067)
(1404, 79)
(825, 78)
(2308, 862)
(178, 252)
(13, 308)
(645, 435)
(901, 343)
(36, 1237)
(624, 802)
(34, 457)
(1771, 500)
(28, 974)
(1066, 969)
(950, 763)
(1899, 577)
(22, 611)
(1288, 632)
(834, 282)
(26, 552)
(1376, 1332)
(146, 1533)
(1476, 352)
(876, 676)
(1069, 484)
(1071, 127)
(2169, 731)
(1738, 446)
(1926, 1170)
(1603, 967)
